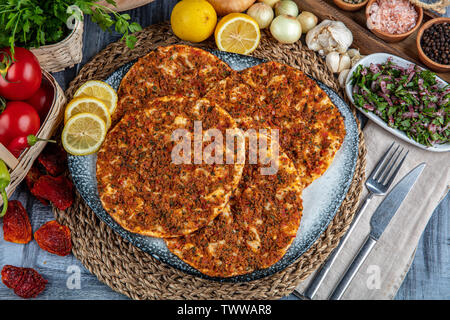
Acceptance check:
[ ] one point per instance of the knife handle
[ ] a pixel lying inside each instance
(316, 282)
(353, 268)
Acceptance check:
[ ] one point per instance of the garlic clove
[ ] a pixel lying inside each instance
(323, 41)
(353, 53)
(356, 59)
(344, 63)
(343, 77)
(333, 61)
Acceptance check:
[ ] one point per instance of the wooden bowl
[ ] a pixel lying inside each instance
(423, 57)
(395, 37)
(350, 6)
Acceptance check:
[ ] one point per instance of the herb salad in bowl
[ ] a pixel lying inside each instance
(410, 102)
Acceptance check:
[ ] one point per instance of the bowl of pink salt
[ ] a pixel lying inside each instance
(393, 20)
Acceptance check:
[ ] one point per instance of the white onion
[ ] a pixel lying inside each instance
(286, 7)
(262, 13)
(308, 21)
(270, 3)
(286, 29)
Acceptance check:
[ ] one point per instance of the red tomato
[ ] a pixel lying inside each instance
(42, 100)
(17, 145)
(18, 119)
(21, 77)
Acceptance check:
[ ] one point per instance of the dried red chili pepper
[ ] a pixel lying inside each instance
(53, 159)
(16, 224)
(26, 282)
(33, 175)
(59, 191)
(54, 238)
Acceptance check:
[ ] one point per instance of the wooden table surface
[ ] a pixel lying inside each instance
(428, 278)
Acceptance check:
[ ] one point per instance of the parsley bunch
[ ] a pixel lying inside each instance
(34, 23)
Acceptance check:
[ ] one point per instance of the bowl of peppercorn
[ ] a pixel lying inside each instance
(350, 5)
(433, 44)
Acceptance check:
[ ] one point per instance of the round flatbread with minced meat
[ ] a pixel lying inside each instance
(144, 189)
(254, 231)
(176, 70)
(274, 95)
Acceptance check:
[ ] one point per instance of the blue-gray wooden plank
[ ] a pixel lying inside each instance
(428, 277)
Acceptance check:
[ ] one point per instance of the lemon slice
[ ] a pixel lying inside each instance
(238, 33)
(90, 105)
(83, 134)
(99, 90)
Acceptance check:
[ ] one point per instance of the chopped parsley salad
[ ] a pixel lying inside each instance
(408, 99)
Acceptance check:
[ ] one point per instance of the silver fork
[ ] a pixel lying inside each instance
(378, 184)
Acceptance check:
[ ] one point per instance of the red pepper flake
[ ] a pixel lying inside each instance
(26, 282)
(16, 224)
(54, 238)
(59, 191)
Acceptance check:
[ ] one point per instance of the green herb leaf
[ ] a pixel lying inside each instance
(34, 23)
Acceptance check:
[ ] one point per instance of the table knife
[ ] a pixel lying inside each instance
(378, 223)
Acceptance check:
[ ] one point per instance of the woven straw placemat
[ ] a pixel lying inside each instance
(137, 274)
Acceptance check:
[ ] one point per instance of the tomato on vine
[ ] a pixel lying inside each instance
(20, 75)
(18, 119)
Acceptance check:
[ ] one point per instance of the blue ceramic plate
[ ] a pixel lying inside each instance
(321, 199)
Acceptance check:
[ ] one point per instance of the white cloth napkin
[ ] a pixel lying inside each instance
(385, 268)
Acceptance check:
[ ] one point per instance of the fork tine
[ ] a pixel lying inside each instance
(375, 171)
(391, 166)
(385, 165)
(388, 183)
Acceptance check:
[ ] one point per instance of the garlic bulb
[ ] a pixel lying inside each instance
(262, 13)
(329, 36)
(343, 77)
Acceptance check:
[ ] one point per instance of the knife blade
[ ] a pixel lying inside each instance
(390, 204)
(378, 223)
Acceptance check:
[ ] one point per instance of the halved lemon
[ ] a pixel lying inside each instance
(238, 33)
(100, 90)
(90, 105)
(83, 134)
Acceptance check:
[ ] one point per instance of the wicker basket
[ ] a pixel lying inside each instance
(20, 167)
(64, 54)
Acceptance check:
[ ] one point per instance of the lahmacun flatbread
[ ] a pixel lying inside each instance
(256, 228)
(176, 70)
(224, 220)
(143, 189)
(274, 95)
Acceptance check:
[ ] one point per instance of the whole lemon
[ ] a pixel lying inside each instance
(193, 20)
